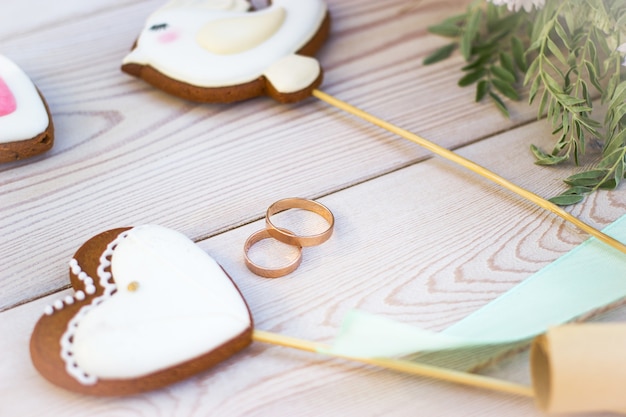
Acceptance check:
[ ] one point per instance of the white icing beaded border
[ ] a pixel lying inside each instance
(67, 345)
(78, 295)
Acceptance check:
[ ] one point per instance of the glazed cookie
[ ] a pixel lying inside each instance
(150, 308)
(25, 124)
(223, 51)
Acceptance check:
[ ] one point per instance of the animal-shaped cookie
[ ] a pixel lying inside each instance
(223, 51)
(150, 308)
(26, 127)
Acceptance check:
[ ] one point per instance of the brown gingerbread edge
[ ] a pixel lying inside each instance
(45, 348)
(22, 149)
(255, 88)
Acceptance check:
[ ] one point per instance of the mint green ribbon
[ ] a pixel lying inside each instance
(585, 279)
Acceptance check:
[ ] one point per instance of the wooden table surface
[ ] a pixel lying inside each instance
(417, 238)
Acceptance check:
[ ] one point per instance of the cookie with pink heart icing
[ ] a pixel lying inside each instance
(149, 308)
(224, 51)
(26, 127)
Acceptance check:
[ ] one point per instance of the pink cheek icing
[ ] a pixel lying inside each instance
(7, 101)
(168, 37)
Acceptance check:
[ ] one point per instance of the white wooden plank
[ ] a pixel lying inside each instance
(427, 245)
(260, 381)
(270, 381)
(23, 17)
(127, 154)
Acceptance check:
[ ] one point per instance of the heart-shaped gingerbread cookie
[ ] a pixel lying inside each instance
(150, 308)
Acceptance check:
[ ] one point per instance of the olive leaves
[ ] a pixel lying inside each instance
(567, 55)
(495, 56)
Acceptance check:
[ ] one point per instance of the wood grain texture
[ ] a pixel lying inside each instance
(398, 250)
(127, 154)
(417, 239)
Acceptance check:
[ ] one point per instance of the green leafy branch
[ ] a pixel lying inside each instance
(572, 49)
(568, 101)
(485, 36)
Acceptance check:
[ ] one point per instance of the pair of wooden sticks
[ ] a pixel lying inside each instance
(412, 367)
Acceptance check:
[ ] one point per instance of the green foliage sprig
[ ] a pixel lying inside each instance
(566, 54)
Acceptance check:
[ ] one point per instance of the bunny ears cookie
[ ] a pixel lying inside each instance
(26, 127)
(222, 51)
(150, 308)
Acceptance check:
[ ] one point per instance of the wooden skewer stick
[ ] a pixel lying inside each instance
(413, 368)
(472, 166)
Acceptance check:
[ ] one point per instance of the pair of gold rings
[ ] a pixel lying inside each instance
(287, 236)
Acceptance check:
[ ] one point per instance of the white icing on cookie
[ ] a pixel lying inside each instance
(224, 5)
(225, 37)
(78, 295)
(109, 288)
(26, 116)
(182, 306)
(175, 42)
(291, 72)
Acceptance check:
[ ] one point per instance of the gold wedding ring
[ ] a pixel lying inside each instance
(287, 236)
(269, 272)
(291, 238)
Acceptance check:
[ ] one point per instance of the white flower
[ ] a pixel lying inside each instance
(516, 5)
(622, 49)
